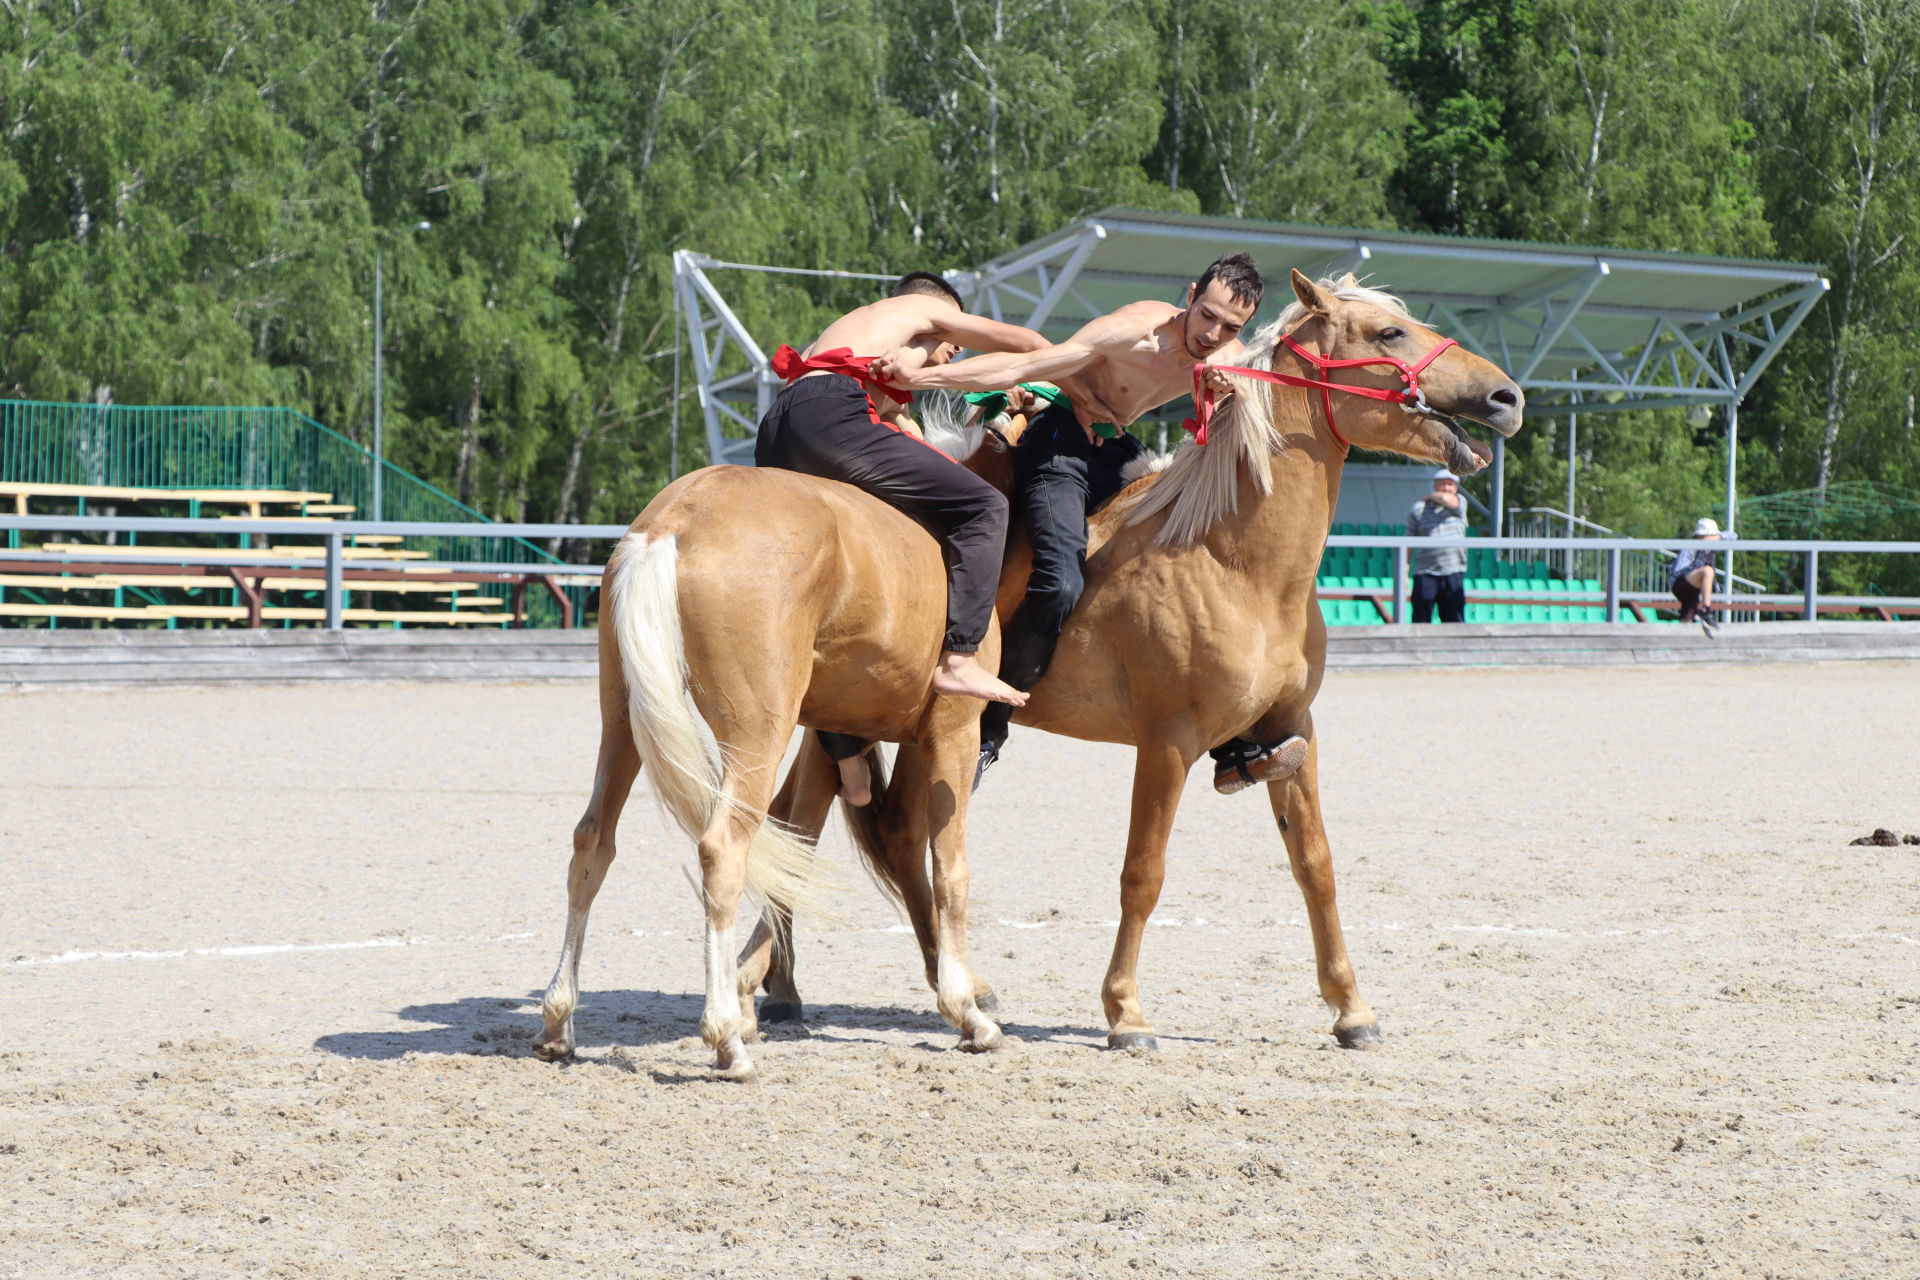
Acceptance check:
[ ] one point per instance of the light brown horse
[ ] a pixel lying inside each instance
(744, 602)
(1200, 621)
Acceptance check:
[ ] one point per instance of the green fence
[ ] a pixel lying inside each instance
(205, 447)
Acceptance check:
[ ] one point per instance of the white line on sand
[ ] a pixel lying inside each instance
(258, 949)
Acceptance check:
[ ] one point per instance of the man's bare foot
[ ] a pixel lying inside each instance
(962, 674)
(856, 784)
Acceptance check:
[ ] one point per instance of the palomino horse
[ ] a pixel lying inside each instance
(1200, 621)
(741, 603)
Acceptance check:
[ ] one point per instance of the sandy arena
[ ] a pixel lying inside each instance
(272, 958)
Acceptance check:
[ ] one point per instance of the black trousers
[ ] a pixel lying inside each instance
(1059, 477)
(1446, 590)
(823, 426)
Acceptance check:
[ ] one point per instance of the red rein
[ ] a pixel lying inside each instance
(1408, 395)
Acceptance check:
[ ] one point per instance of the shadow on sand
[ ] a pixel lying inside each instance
(491, 1026)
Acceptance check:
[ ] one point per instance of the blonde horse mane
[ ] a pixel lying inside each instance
(1201, 486)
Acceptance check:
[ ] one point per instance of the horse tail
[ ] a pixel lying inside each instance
(672, 738)
(863, 824)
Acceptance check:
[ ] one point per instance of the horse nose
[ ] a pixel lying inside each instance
(1505, 405)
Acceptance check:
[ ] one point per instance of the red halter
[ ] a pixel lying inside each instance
(1408, 396)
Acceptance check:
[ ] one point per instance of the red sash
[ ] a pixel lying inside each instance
(791, 365)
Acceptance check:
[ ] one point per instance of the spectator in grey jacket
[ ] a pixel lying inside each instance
(1439, 576)
(1692, 578)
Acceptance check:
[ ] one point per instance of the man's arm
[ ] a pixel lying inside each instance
(978, 333)
(1096, 339)
(988, 373)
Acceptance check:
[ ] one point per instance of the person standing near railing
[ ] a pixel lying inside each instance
(1692, 577)
(1440, 574)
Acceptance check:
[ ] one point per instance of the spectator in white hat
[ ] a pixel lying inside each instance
(1440, 575)
(1692, 578)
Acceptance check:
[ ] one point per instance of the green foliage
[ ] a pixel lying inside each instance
(193, 194)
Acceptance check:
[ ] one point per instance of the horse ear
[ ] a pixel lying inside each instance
(1311, 295)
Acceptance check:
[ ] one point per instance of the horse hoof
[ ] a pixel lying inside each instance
(984, 1039)
(782, 1011)
(558, 1051)
(988, 1003)
(1365, 1036)
(1138, 1043)
(738, 1073)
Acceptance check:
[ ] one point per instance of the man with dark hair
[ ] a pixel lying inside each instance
(1116, 368)
(929, 284)
(835, 419)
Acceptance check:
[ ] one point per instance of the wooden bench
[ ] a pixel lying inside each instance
(252, 499)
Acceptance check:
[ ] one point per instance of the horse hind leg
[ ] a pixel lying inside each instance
(802, 805)
(593, 852)
(950, 760)
(1296, 806)
(724, 847)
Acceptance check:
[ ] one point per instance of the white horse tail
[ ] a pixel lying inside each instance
(642, 593)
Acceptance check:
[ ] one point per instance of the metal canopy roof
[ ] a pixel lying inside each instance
(1582, 329)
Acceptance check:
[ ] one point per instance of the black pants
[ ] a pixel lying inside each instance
(1689, 597)
(823, 426)
(1447, 590)
(1059, 477)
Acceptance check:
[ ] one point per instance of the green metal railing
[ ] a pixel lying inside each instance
(221, 447)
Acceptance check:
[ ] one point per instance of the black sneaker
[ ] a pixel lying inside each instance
(989, 753)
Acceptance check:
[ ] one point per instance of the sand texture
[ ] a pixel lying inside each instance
(273, 959)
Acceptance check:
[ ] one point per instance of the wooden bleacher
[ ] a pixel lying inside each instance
(377, 567)
(254, 500)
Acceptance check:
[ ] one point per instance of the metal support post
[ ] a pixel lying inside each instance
(1733, 503)
(379, 390)
(1813, 586)
(1499, 484)
(1613, 584)
(1573, 462)
(1400, 584)
(335, 542)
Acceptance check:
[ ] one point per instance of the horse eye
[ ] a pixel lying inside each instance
(1388, 335)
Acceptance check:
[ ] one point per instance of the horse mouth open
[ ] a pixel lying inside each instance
(1465, 455)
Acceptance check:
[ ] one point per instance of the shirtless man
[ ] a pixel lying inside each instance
(1070, 460)
(834, 419)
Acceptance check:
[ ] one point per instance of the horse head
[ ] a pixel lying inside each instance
(1407, 384)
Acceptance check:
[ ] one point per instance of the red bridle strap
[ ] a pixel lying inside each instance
(1408, 395)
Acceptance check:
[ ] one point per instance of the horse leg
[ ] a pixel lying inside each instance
(613, 777)
(950, 759)
(723, 851)
(1159, 770)
(803, 803)
(1296, 806)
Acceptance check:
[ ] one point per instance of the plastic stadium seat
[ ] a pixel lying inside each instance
(1329, 612)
